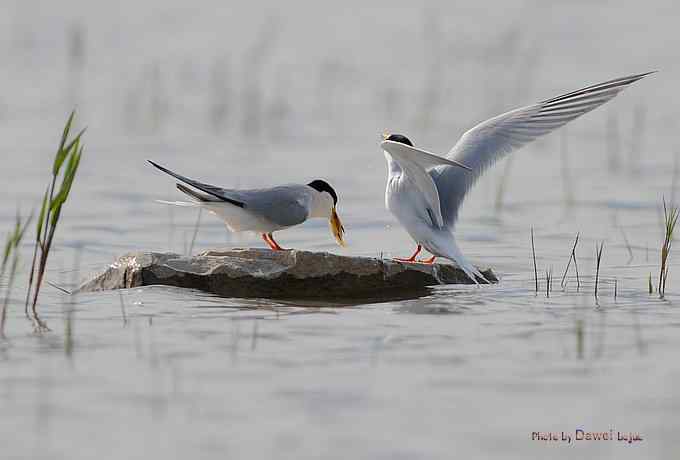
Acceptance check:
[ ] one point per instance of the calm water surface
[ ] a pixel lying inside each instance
(251, 95)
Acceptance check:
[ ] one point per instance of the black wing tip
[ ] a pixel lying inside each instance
(156, 165)
(639, 76)
(613, 84)
(203, 187)
(165, 170)
(629, 78)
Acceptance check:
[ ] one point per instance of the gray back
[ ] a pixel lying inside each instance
(284, 205)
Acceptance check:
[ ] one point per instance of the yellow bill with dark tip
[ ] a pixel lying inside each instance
(336, 228)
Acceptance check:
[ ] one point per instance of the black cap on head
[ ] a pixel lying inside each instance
(399, 138)
(323, 186)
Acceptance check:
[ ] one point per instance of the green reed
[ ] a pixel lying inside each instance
(11, 252)
(670, 217)
(64, 169)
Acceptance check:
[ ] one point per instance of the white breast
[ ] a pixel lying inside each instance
(240, 220)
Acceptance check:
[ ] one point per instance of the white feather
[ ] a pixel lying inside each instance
(179, 203)
(415, 164)
(418, 180)
(489, 141)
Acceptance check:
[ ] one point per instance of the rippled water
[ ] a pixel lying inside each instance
(251, 95)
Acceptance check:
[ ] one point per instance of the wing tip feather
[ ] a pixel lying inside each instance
(616, 84)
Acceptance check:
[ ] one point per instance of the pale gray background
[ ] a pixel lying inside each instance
(252, 93)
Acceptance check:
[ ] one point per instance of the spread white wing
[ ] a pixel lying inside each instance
(416, 164)
(491, 140)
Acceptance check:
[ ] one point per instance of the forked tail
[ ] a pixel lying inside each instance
(188, 204)
(197, 196)
(445, 246)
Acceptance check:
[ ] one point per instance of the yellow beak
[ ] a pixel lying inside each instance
(336, 228)
(385, 135)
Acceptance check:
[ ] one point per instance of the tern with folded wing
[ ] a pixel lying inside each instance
(264, 210)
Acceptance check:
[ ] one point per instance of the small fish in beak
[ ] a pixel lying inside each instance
(336, 227)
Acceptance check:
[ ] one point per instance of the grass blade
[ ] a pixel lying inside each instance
(670, 220)
(572, 256)
(69, 153)
(598, 257)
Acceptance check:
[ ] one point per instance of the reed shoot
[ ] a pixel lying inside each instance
(628, 248)
(598, 257)
(616, 288)
(578, 279)
(11, 252)
(64, 169)
(670, 219)
(572, 256)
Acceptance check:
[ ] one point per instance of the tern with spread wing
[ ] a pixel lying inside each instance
(264, 210)
(425, 191)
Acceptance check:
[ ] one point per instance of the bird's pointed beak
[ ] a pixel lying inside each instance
(336, 228)
(385, 135)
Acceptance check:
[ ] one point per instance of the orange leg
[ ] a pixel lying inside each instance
(412, 258)
(429, 261)
(275, 245)
(269, 243)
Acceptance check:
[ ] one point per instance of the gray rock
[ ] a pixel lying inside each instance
(289, 274)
